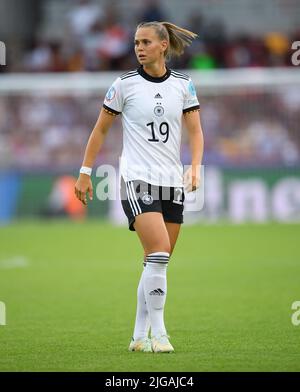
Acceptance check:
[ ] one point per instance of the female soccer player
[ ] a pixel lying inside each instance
(153, 100)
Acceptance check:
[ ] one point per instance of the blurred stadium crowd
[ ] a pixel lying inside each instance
(96, 39)
(250, 129)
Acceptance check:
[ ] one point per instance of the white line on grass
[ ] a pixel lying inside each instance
(14, 262)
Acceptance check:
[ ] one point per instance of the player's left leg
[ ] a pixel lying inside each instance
(173, 232)
(162, 343)
(173, 213)
(142, 322)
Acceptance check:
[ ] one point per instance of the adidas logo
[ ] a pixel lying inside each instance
(157, 292)
(158, 96)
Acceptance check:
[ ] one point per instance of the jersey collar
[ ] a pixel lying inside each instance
(152, 78)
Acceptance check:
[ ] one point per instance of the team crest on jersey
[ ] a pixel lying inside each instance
(159, 111)
(147, 199)
(111, 94)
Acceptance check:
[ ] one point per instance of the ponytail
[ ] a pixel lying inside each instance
(177, 37)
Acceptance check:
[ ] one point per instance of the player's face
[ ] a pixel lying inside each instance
(148, 47)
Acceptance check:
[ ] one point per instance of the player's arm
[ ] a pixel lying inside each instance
(195, 134)
(95, 142)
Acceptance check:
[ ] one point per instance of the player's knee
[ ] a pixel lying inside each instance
(161, 247)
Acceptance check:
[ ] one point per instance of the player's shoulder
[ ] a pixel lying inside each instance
(180, 75)
(129, 75)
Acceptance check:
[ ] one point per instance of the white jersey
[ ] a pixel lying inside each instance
(152, 111)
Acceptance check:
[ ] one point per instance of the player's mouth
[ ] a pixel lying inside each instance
(142, 57)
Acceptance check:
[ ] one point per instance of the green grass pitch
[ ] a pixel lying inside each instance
(72, 307)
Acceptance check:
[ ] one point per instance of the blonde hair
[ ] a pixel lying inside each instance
(177, 37)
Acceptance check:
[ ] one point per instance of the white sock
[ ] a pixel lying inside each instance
(142, 321)
(155, 288)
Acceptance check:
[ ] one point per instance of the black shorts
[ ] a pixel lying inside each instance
(138, 197)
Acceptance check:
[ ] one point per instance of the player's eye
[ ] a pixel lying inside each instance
(145, 42)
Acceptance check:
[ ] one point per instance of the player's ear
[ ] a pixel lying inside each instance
(164, 45)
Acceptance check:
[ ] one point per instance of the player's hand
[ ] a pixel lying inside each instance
(82, 187)
(192, 178)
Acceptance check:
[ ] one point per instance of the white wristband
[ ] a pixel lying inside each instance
(86, 170)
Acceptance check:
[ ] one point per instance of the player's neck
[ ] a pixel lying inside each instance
(155, 70)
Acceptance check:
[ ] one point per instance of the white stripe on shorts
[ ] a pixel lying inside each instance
(135, 198)
(132, 206)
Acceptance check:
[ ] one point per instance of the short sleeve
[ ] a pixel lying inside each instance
(191, 102)
(113, 102)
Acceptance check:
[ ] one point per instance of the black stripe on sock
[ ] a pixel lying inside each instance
(157, 262)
